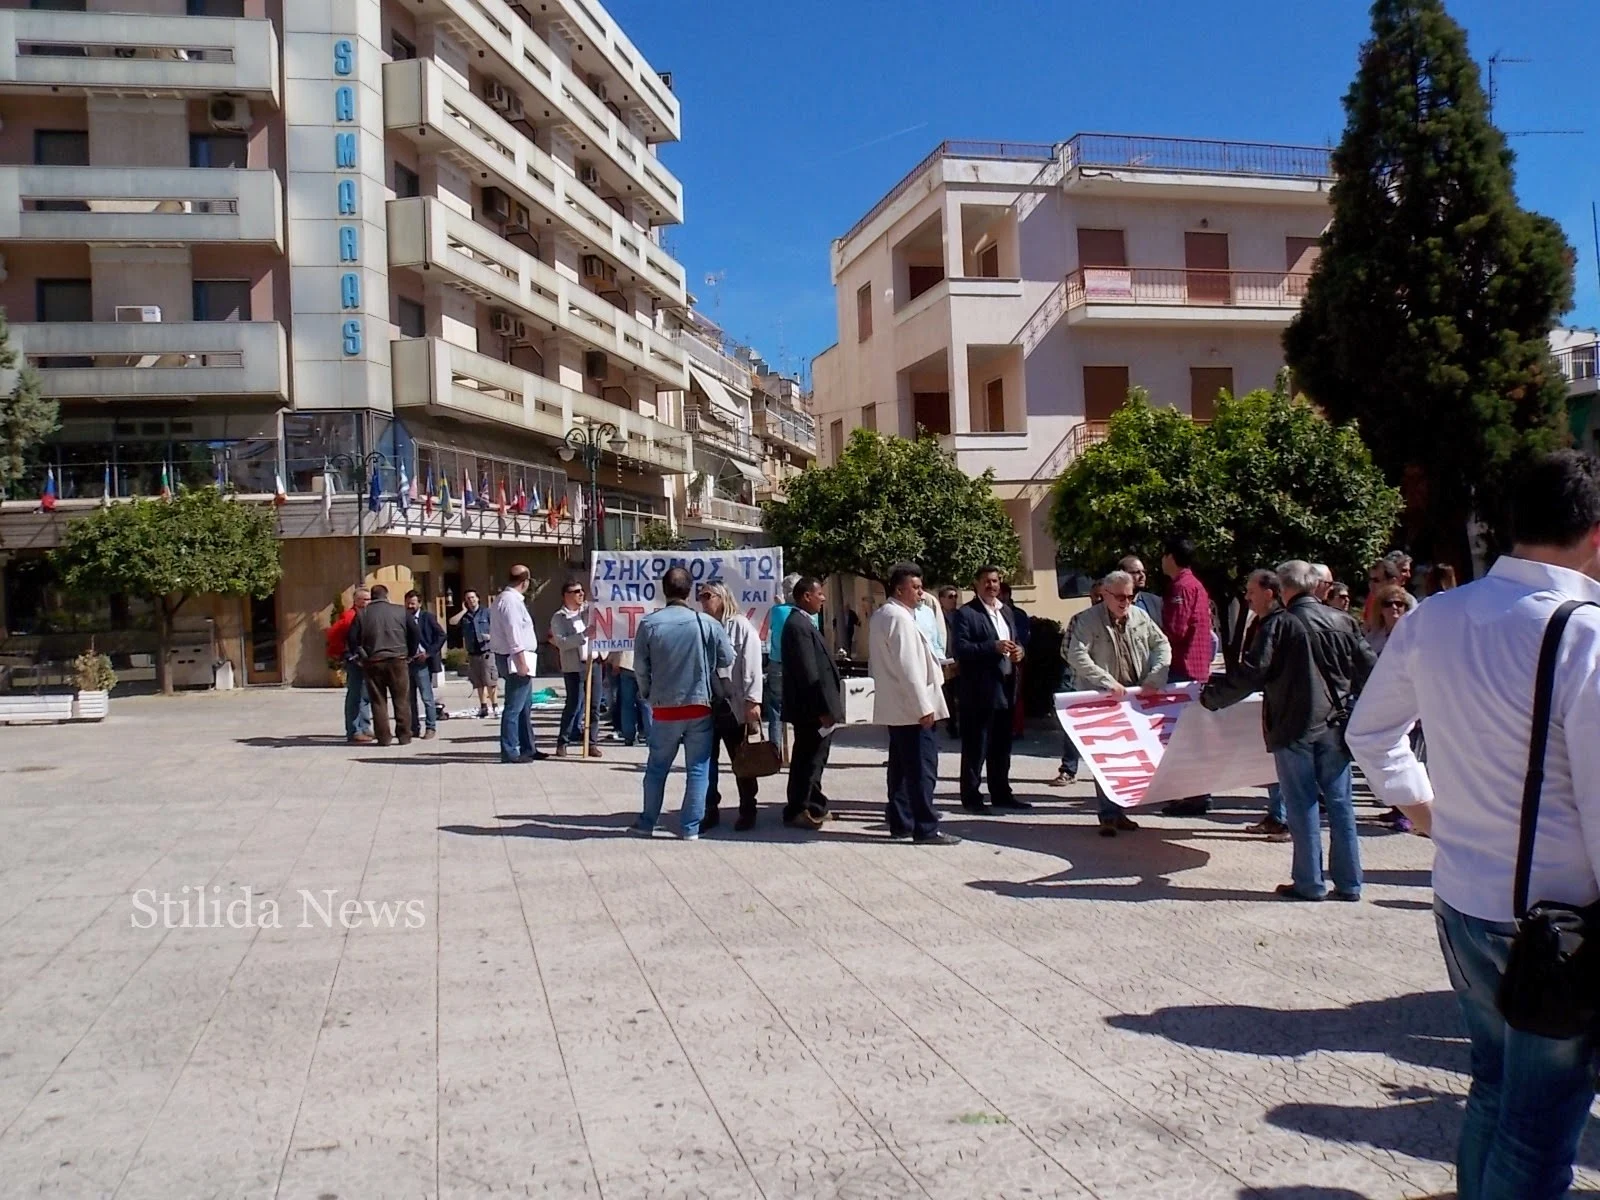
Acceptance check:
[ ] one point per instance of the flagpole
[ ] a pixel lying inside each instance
(368, 464)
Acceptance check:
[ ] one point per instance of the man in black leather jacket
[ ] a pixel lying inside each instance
(1310, 662)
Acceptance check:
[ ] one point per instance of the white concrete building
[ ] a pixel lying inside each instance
(1004, 297)
(1577, 354)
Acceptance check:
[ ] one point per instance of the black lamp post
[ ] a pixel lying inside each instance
(367, 463)
(588, 442)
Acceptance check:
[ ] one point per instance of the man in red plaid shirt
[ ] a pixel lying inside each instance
(1186, 620)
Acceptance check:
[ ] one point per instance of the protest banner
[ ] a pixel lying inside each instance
(1145, 748)
(625, 585)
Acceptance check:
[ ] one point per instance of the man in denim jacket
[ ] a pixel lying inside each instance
(676, 653)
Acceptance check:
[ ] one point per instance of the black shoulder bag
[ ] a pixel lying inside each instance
(723, 719)
(1551, 987)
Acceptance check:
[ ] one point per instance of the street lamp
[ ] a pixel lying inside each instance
(588, 442)
(367, 464)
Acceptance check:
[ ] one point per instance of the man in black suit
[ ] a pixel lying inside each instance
(813, 702)
(988, 648)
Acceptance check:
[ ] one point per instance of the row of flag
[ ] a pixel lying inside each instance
(47, 498)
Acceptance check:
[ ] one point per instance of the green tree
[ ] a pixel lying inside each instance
(170, 551)
(1426, 316)
(890, 499)
(658, 535)
(26, 417)
(1267, 480)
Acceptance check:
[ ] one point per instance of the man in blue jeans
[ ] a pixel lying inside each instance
(515, 644)
(1464, 665)
(1310, 662)
(676, 651)
(428, 663)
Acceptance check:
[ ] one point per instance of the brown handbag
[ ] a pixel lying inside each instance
(756, 757)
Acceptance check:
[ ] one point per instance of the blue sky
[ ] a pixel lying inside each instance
(798, 117)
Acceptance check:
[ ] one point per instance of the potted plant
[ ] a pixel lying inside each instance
(92, 673)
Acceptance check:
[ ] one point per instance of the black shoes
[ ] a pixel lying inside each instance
(746, 822)
(1011, 802)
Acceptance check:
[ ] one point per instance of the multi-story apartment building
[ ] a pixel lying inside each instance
(307, 240)
(1005, 297)
(786, 428)
(718, 499)
(1577, 354)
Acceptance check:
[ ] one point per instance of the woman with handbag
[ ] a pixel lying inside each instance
(736, 708)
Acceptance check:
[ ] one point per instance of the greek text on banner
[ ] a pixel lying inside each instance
(626, 585)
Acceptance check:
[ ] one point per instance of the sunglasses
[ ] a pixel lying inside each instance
(1119, 595)
(1394, 604)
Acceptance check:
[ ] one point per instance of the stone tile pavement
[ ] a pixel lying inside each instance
(565, 1011)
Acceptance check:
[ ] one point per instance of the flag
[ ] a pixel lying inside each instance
(522, 496)
(48, 500)
(279, 496)
(427, 494)
(402, 492)
(222, 483)
(501, 499)
(166, 482)
(578, 508)
(105, 494)
(551, 517)
(375, 493)
(328, 489)
(444, 497)
(483, 491)
(467, 498)
(534, 503)
(599, 507)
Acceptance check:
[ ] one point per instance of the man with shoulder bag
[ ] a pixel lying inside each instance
(1504, 674)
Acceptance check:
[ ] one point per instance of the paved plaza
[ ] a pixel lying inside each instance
(562, 1010)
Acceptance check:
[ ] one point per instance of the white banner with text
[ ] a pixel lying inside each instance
(625, 585)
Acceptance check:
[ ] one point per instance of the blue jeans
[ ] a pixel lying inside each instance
(699, 741)
(635, 713)
(1530, 1095)
(912, 774)
(577, 710)
(1071, 760)
(772, 703)
(1275, 809)
(423, 715)
(516, 722)
(1313, 774)
(1110, 811)
(357, 707)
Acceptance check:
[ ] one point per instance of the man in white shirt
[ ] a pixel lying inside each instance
(986, 645)
(515, 643)
(1464, 665)
(908, 697)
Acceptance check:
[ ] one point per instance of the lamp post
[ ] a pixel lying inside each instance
(588, 442)
(367, 462)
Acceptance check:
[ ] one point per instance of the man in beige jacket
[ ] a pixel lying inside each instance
(908, 697)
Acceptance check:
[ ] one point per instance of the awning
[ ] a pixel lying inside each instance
(726, 407)
(753, 474)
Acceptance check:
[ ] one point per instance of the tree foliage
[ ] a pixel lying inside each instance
(887, 500)
(1427, 313)
(1267, 480)
(26, 417)
(659, 535)
(168, 551)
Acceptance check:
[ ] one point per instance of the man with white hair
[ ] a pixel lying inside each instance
(1324, 581)
(1310, 662)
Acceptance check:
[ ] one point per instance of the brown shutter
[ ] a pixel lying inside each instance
(1105, 389)
(1204, 384)
(864, 312)
(1206, 257)
(1101, 248)
(994, 404)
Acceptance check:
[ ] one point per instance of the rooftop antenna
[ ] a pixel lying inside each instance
(1496, 60)
(714, 283)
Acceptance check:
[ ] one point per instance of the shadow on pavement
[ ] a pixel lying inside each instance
(563, 827)
(305, 741)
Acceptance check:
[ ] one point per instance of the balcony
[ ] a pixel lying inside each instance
(1579, 365)
(564, 100)
(644, 92)
(787, 427)
(736, 442)
(141, 206)
(453, 381)
(102, 360)
(727, 514)
(729, 370)
(443, 117)
(427, 235)
(1173, 296)
(138, 55)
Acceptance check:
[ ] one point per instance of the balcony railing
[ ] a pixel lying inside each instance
(1579, 362)
(793, 428)
(731, 441)
(1003, 151)
(730, 370)
(137, 53)
(106, 360)
(130, 205)
(728, 512)
(1194, 156)
(1186, 287)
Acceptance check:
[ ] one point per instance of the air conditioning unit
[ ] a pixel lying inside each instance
(496, 204)
(519, 333)
(514, 111)
(594, 365)
(135, 314)
(587, 174)
(504, 324)
(598, 87)
(229, 112)
(498, 96)
(520, 221)
(666, 78)
(596, 268)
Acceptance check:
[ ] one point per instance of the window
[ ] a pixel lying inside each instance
(399, 48)
(1300, 256)
(994, 405)
(1206, 257)
(216, 8)
(931, 411)
(407, 183)
(1105, 389)
(863, 312)
(1204, 384)
(1102, 248)
(920, 278)
(219, 150)
(221, 299)
(989, 262)
(63, 300)
(869, 417)
(60, 5)
(411, 317)
(836, 440)
(60, 148)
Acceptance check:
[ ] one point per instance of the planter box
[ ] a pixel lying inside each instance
(21, 708)
(91, 706)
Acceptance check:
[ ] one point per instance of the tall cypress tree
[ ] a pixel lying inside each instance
(1427, 314)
